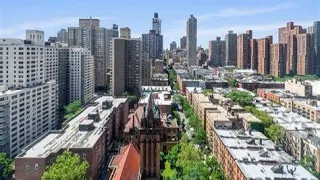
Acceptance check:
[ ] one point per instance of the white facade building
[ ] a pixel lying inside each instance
(29, 91)
(25, 115)
(81, 75)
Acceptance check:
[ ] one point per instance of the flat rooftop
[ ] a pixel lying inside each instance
(306, 102)
(160, 98)
(248, 117)
(155, 88)
(194, 89)
(282, 93)
(71, 137)
(258, 157)
(201, 97)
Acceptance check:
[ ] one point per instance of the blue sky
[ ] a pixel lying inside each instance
(215, 17)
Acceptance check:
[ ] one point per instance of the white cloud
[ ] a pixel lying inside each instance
(231, 12)
(17, 31)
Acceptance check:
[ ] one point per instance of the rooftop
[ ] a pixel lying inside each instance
(126, 163)
(156, 88)
(194, 89)
(160, 98)
(248, 117)
(70, 136)
(258, 157)
(282, 93)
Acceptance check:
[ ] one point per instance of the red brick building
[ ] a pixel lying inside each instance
(268, 95)
(152, 133)
(251, 86)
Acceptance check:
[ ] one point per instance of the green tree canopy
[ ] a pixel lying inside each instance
(168, 173)
(232, 82)
(67, 166)
(207, 92)
(308, 162)
(73, 107)
(276, 133)
(241, 97)
(6, 163)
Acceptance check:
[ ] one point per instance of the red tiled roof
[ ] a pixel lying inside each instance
(136, 117)
(128, 164)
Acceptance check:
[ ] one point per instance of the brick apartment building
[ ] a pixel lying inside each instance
(278, 57)
(243, 50)
(288, 36)
(90, 135)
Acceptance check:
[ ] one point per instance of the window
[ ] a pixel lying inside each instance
(36, 167)
(27, 166)
(84, 156)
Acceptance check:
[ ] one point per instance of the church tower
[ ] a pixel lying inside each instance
(150, 141)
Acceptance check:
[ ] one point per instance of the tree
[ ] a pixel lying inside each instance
(168, 173)
(172, 156)
(240, 97)
(67, 166)
(276, 133)
(207, 92)
(200, 137)
(308, 162)
(6, 165)
(73, 107)
(232, 82)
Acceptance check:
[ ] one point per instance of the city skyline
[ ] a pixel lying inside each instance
(263, 18)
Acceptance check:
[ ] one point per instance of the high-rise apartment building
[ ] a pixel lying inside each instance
(62, 36)
(152, 43)
(231, 49)
(243, 50)
(305, 54)
(115, 30)
(36, 37)
(90, 35)
(278, 57)
(146, 69)
(29, 93)
(217, 52)
(287, 35)
(125, 32)
(263, 56)
(63, 78)
(81, 75)
(126, 66)
(316, 36)
(156, 23)
(95, 23)
(183, 42)
(191, 41)
(253, 54)
(201, 57)
(173, 45)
